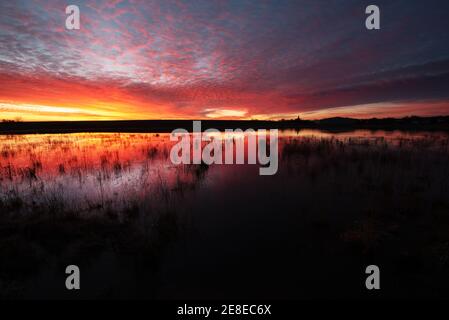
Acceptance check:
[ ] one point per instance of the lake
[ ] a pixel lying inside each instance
(140, 226)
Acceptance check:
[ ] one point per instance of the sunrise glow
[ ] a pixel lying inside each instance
(214, 60)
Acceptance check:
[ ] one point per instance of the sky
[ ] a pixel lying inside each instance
(207, 59)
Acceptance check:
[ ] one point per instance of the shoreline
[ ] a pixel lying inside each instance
(166, 126)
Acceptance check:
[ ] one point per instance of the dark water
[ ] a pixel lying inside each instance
(139, 226)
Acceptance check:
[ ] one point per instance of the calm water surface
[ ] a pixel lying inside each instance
(338, 201)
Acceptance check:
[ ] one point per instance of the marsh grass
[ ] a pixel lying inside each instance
(396, 196)
(87, 195)
(74, 197)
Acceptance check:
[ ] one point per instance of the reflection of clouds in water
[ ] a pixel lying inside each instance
(84, 171)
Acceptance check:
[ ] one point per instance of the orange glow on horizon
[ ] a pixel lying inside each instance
(103, 111)
(53, 99)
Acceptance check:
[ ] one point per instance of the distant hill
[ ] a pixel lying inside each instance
(337, 123)
(409, 123)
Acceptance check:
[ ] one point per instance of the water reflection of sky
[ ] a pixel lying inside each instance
(87, 169)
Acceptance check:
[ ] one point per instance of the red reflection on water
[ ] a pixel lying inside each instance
(88, 169)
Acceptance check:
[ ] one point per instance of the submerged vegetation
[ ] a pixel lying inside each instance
(75, 197)
(357, 197)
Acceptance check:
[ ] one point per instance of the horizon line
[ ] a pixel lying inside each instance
(10, 121)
